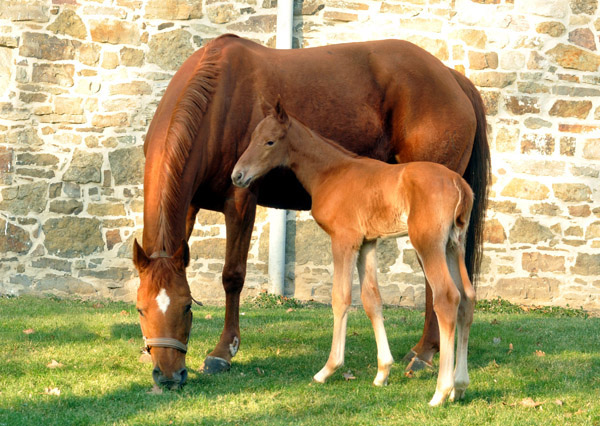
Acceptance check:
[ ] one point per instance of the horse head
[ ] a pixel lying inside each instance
(164, 303)
(267, 149)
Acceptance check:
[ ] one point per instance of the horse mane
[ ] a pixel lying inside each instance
(183, 128)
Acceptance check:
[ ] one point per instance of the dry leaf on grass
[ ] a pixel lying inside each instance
(540, 353)
(155, 390)
(559, 402)
(52, 391)
(54, 364)
(510, 348)
(208, 317)
(260, 371)
(348, 375)
(530, 403)
(29, 331)
(410, 374)
(290, 310)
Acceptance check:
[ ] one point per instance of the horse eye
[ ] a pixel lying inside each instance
(270, 143)
(140, 312)
(187, 309)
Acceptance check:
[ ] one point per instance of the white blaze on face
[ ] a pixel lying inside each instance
(163, 301)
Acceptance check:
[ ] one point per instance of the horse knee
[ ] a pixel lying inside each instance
(233, 279)
(446, 298)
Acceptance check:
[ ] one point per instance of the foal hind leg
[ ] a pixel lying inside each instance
(239, 210)
(344, 259)
(371, 299)
(446, 298)
(458, 269)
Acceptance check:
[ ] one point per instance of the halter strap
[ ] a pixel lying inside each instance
(164, 342)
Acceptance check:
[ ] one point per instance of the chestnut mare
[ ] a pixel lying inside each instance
(389, 100)
(357, 200)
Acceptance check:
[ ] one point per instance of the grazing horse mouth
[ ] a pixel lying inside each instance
(176, 382)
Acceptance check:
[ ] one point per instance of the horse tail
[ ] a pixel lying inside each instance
(478, 176)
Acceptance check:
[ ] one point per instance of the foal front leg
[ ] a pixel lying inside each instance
(371, 299)
(344, 259)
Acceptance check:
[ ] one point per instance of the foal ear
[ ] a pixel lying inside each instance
(182, 255)
(140, 259)
(280, 113)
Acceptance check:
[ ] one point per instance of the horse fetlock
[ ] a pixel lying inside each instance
(457, 394)
(234, 346)
(440, 396)
(381, 379)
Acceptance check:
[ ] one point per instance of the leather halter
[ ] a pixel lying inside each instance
(165, 342)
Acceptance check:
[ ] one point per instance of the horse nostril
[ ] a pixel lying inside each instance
(238, 177)
(157, 376)
(183, 374)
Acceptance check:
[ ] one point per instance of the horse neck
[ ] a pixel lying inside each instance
(312, 157)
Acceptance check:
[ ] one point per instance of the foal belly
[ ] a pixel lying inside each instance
(378, 228)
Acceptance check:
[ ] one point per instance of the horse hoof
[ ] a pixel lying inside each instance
(417, 364)
(214, 365)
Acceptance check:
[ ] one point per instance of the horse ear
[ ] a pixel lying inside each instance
(280, 113)
(140, 259)
(265, 106)
(182, 255)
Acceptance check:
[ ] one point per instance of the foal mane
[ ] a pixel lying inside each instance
(183, 128)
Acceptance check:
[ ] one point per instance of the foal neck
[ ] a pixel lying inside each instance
(311, 156)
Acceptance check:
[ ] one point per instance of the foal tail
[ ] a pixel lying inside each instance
(478, 176)
(462, 214)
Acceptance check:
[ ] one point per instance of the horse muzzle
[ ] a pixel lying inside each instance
(174, 382)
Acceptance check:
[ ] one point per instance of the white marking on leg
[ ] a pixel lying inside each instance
(163, 301)
(234, 346)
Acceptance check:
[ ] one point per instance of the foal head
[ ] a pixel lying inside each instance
(267, 149)
(164, 302)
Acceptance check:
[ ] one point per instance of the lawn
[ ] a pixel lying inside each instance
(67, 362)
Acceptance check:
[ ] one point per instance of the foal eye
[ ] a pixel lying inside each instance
(187, 309)
(270, 143)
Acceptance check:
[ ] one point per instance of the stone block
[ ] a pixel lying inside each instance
(211, 248)
(591, 149)
(584, 6)
(580, 211)
(60, 74)
(493, 232)
(525, 189)
(65, 285)
(114, 32)
(572, 192)
(89, 54)
(132, 88)
(575, 109)
(13, 239)
(222, 13)
(387, 254)
(537, 143)
(520, 105)
(6, 69)
(127, 165)
(106, 209)
(173, 9)
(552, 28)
(493, 79)
(592, 231)
(120, 119)
(567, 146)
(583, 37)
(25, 10)
(529, 232)
(113, 237)
(311, 244)
(132, 57)
(535, 262)
(587, 264)
(66, 207)
(50, 48)
(437, 47)
(23, 199)
(73, 236)
(545, 209)
(574, 58)
(336, 15)
(483, 60)
(256, 24)
(534, 290)
(69, 23)
(51, 263)
(472, 38)
(169, 50)
(66, 105)
(41, 160)
(85, 167)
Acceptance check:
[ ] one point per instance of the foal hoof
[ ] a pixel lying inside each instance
(214, 365)
(417, 364)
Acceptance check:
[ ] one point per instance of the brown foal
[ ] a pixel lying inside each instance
(357, 200)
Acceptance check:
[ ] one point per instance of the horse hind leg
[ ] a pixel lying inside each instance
(344, 259)
(371, 299)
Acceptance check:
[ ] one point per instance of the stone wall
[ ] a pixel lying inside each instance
(80, 80)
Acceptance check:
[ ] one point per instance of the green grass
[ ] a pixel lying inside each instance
(101, 380)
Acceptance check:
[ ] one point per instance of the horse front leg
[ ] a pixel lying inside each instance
(371, 299)
(239, 210)
(344, 260)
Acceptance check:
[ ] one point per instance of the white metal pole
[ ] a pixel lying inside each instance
(277, 218)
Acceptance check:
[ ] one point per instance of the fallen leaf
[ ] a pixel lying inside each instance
(540, 353)
(54, 364)
(29, 331)
(510, 348)
(208, 317)
(348, 375)
(410, 374)
(290, 310)
(155, 390)
(278, 352)
(259, 371)
(530, 403)
(559, 402)
(52, 391)
(494, 322)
